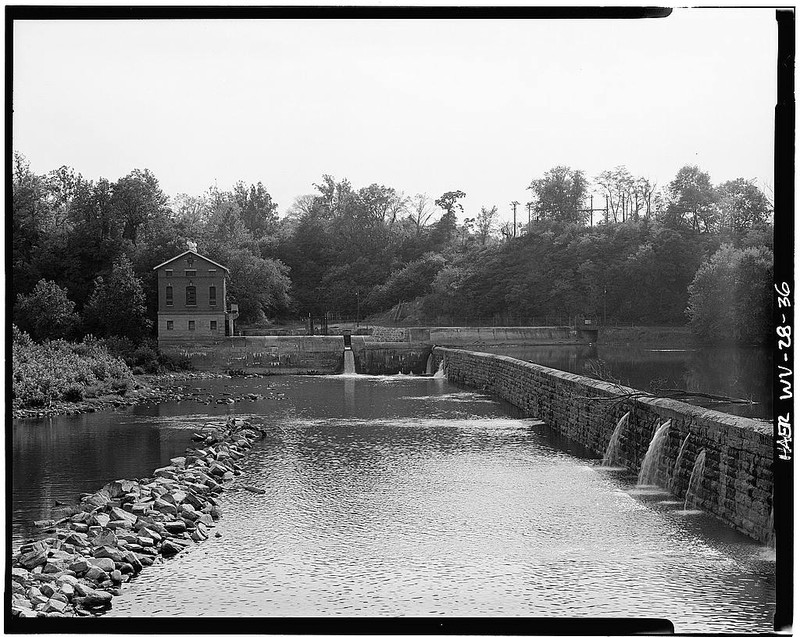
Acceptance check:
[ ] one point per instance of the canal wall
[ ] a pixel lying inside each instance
(736, 484)
(461, 336)
(275, 355)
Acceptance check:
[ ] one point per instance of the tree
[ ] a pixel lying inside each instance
(259, 286)
(616, 185)
(690, 200)
(381, 204)
(117, 305)
(258, 211)
(730, 296)
(137, 198)
(446, 226)
(46, 313)
(421, 212)
(741, 206)
(559, 194)
(485, 222)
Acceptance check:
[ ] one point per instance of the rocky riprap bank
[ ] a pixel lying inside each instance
(126, 526)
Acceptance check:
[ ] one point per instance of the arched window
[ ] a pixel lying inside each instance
(168, 297)
(191, 295)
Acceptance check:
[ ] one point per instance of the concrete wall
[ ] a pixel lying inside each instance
(300, 355)
(460, 336)
(737, 481)
(265, 354)
(389, 357)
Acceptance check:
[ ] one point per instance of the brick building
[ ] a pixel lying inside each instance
(191, 300)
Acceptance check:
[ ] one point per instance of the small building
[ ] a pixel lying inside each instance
(191, 300)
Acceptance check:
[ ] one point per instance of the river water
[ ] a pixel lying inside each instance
(404, 496)
(744, 373)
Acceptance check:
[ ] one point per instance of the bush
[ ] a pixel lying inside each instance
(58, 370)
(74, 393)
(730, 296)
(46, 312)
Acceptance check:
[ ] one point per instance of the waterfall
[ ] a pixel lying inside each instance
(676, 469)
(612, 451)
(429, 365)
(349, 362)
(440, 372)
(653, 457)
(697, 478)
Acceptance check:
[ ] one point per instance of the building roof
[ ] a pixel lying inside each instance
(183, 254)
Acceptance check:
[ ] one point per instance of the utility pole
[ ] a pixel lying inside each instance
(529, 206)
(514, 205)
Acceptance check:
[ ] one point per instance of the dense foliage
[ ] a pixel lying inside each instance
(344, 249)
(730, 296)
(59, 370)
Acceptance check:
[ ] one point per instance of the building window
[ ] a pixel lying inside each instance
(169, 295)
(213, 325)
(170, 325)
(190, 272)
(191, 325)
(167, 272)
(212, 295)
(212, 271)
(191, 295)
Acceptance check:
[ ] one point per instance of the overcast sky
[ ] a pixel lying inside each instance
(483, 106)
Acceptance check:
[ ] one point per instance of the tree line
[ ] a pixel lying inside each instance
(83, 251)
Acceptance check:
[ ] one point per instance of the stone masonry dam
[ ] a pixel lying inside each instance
(736, 484)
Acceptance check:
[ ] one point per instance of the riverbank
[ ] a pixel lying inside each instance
(150, 389)
(126, 526)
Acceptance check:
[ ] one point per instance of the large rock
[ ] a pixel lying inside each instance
(96, 574)
(20, 575)
(77, 539)
(120, 488)
(105, 563)
(32, 559)
(47, 589)
(96, 499)
(165, 507)
(177, 526)
(171, 548)
(113, 554)
(96, 598)
(80, 566)
(147, 532)
(131, 558)
(118, 514)
(100, 519)
(55, 605)
(141, 508)
(83, 588)
(105, 537)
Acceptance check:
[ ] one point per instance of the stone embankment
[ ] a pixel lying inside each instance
(126, 526)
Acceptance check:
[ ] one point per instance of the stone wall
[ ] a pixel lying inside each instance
(736, 485)
(301, 355)
(389, 357)
(461, 336)
(265, 354)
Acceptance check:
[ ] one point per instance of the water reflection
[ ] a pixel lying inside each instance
(743, 373)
